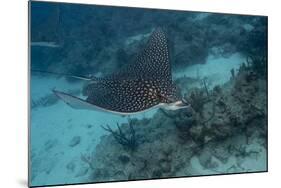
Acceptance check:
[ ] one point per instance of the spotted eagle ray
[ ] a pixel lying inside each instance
(142, 85)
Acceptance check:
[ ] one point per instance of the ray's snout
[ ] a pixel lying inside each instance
(180, 104)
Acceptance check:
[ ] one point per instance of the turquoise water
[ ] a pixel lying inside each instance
(79, 40)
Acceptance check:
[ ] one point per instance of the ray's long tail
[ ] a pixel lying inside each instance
(86, 78)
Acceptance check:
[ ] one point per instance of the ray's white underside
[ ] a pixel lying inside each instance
(79, 103)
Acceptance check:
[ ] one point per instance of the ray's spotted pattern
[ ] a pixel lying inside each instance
(144, 84)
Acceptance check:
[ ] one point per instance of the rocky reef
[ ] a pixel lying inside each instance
(225, 131)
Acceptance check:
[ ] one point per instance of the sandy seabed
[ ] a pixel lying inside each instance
(60, 135)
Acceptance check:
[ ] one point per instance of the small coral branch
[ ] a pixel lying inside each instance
(212, 113)
(88, 159)
(232, 71)
(204, 80)
(199, 97)
(257, 63)
(197, 100)
(128, 142)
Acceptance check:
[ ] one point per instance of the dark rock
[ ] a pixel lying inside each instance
(82, 172)
(101, 174)
(89, 126)
(124, 159)
(120, 175)
(156, 173)
(165, 166)
(71, 166)
(196, 132)
(50, 144)
(75, 141)
(206, 159)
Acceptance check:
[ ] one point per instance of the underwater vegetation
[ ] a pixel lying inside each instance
(216, 135)
(128, 142)
(258, 64)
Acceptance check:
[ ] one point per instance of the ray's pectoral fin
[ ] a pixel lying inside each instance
(76, 102)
